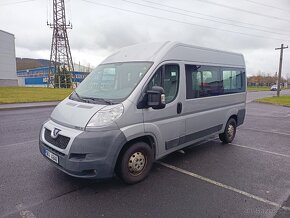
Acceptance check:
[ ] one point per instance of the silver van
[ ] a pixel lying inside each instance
(142, 103)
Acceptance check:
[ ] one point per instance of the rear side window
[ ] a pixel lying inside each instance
(233, 80)
(202, 81)
(166, 76)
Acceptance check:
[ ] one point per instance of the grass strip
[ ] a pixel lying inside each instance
(31, 94)
(282, 100)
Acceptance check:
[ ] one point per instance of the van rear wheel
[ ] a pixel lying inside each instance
(135, 163)
(230, 131)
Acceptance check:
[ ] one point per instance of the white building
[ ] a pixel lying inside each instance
(8, 75)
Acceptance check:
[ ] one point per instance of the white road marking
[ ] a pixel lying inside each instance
(19, 143)
(265, 131)
(24, 213)
(27, 214)
(243, 146)
(255, 197)
(257, 149)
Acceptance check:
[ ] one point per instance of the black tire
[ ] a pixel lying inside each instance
(230, 131)
(135, 163)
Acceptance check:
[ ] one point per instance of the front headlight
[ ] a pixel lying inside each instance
(106, 116)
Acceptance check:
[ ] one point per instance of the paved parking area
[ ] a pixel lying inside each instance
(248, 178)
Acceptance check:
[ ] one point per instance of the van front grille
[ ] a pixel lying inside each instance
(60, 141)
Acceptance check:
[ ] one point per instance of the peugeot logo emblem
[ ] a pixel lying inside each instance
(54, 133)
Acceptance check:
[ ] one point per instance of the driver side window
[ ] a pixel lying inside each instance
(167, 77)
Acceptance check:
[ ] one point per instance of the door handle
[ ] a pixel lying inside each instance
(179, 107)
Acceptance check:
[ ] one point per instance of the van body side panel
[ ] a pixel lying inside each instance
(131, 124)
(167, 124)
(203, 114)
(153, 130)
(133, 131)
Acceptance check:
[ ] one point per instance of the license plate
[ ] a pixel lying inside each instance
(51, 156)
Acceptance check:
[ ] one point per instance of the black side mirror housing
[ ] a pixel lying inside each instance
(156, 98)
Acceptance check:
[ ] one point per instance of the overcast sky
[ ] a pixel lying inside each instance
(98, 30)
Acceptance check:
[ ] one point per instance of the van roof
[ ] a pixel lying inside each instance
(167, 51)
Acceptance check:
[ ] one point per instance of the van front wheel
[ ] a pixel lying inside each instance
(135, 163)
(230, 131)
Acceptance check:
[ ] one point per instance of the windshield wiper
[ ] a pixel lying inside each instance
(92, 99)
(79, 98)
(98, 100)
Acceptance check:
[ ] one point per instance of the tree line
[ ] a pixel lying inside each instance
(264, 80)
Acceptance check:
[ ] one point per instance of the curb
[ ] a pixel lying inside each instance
(268, 103)
(19, 106)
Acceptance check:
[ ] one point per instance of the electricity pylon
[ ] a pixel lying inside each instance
(61, 64)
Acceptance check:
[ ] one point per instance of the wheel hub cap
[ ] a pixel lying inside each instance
(231, 131)
(136, 163)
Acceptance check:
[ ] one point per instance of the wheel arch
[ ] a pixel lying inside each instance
(235, 117)
(232, 113)
(148, 139)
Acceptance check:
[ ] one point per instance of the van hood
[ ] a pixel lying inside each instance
(74, 114)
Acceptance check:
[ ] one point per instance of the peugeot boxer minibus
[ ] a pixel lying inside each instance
(142, 103)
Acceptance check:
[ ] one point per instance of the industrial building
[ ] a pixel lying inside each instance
(8, 75)
(37, 77)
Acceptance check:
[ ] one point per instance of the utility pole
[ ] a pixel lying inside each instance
(61, 64)
(280, 67)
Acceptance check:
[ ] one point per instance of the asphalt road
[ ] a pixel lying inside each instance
(248, 178)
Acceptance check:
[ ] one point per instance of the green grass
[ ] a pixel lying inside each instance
(31, 94)
(282, 100)
(258, 88)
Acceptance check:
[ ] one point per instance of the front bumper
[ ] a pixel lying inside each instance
(88, 154)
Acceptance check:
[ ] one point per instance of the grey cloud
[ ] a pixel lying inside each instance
(98, 30)
(119, 35)
(33, 42)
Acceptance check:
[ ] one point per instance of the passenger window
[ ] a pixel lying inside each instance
(167, 77)
(156, 80)
(202, 81)
(232, 81)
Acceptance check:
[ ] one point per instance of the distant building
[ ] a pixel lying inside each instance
(8, 75)
(37, 77)
(80, 68)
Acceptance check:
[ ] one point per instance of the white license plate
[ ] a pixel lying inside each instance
(51, 156)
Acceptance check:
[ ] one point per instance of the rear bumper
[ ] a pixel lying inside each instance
(90, 154)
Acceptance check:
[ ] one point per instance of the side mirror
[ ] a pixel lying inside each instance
(156, 97)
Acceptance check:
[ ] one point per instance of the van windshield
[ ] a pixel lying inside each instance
(111, 83)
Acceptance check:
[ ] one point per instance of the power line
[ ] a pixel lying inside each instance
(48, 10)
(178, 21)
(221, 18)
(266, 5)
(69, 11)
(243, 10)
(196, 17)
